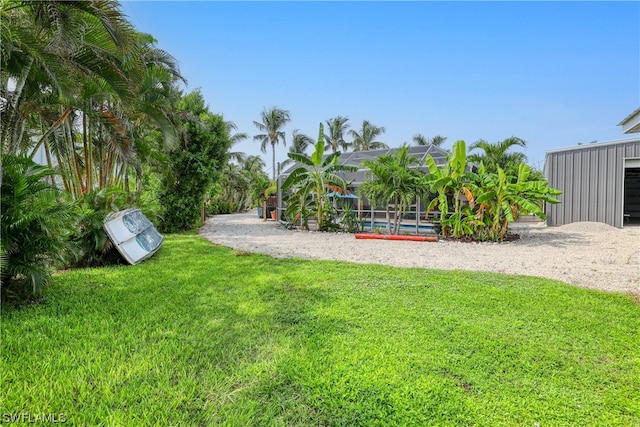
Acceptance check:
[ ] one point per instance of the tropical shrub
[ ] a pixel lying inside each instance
(257, 188)
(450, 182)
(300, 208)
(231, 192)
(36, 222)
(349, 220)
(218, 205)
(148, 200)
(193, 165)
(92, 247)
(501, 198)
(241, 185)
(461, 224)
(493, 199)
(314, 178)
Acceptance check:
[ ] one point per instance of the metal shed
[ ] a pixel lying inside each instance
(599, 182)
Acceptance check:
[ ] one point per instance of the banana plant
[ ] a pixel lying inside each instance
(451, 179)
(500, 200)
(313, 178)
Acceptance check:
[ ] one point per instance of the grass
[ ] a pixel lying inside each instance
(204, 335)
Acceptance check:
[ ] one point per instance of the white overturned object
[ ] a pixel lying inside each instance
(133, 234)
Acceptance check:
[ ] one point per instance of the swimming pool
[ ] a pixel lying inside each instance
(425, 228)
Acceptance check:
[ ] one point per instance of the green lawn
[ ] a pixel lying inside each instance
(202, 335)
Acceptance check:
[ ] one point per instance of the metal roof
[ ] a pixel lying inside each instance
(594, 145)
(631, 123)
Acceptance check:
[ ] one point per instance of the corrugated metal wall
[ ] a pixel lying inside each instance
(591, 178)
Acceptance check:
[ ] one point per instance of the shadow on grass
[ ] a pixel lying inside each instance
(201, 336)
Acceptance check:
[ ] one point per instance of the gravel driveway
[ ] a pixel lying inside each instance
(587, 254)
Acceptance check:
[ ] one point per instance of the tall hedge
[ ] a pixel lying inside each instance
(193, 165)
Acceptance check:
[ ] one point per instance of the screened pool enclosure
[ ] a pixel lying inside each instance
(374, 217)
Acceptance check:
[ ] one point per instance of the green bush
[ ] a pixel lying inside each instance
(501, 198)
(217, 206)
(92, 246)
(36, 222)
(193, 165)
(231, 193)
(349, 219)
(148, 200)
(493, 200)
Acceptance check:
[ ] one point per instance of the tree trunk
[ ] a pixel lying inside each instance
(273, 161)
(87, 152)
(388, 220)
(50, 163)
(398, 214)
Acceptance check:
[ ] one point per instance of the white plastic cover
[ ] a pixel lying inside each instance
(133, 234)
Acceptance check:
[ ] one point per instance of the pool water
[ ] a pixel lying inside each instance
(404, 227)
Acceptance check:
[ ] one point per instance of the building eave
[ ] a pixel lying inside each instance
(631, 123)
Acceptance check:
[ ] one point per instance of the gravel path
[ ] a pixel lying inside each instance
(587, 254)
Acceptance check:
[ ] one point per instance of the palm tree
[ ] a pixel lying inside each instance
(393, 181)
(420, 139)
(299, 144)
(157, 91)
(437, 140)
(273, 120)
(53, 48)
(337, 126)
(366, 139)
(231, 193)
(115, 129)
(234, 138)
(253, 165)
(496, 156)
(93, 86)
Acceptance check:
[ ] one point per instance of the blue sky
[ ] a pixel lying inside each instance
(552, 73)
